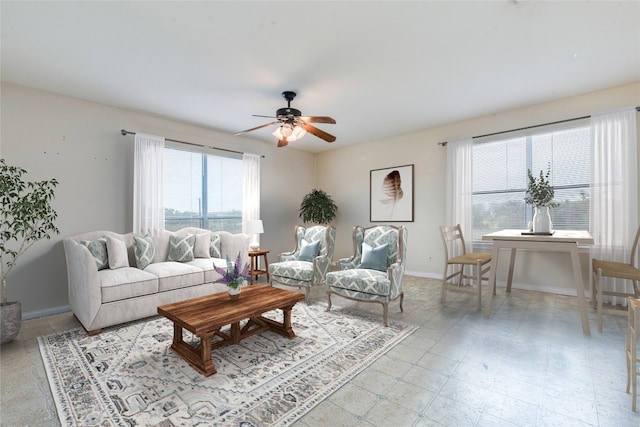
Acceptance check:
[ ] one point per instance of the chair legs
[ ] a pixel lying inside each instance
(479, 283)
(460, 275)
(631, 342)
(385, 305)
(598, 284)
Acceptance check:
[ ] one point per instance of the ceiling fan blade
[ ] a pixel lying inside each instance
(283, 142)
(257, 127)
(318, 132)
(319, 119)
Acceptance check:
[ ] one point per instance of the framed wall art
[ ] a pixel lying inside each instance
(391, 194)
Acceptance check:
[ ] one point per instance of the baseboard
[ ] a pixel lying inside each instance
(423, 274)
(525, 287)
(36, 314)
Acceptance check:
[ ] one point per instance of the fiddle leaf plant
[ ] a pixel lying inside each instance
(317, 207)
(540, 192)
(26, 216)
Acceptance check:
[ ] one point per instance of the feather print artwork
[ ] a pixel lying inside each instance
(392, 190)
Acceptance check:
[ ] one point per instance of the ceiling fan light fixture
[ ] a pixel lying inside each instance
(289, 132)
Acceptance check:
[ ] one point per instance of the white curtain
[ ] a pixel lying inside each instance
(251, 189)
(614, 193)
(148, 191)
(459, 187)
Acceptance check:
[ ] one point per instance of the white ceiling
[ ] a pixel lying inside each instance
(379, 68)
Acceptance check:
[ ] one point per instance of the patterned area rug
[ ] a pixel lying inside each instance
(129, 376)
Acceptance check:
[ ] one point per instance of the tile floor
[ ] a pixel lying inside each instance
(529, 365)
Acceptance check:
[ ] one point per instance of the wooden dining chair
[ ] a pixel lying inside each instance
(456, 259)
(618, 270)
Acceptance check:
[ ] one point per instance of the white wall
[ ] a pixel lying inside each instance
(79, 143)
(344, 174)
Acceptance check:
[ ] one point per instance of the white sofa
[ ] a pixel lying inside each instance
(110, 282)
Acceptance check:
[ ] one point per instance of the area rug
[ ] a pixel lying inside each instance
(128, 375)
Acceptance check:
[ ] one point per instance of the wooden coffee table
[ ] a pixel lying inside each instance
(205, 316)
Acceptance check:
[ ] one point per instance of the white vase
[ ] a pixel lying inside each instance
(542, 220)
(234, 293)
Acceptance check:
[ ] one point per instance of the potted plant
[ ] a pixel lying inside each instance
(540, 195)
(318, 207)
(26, 216)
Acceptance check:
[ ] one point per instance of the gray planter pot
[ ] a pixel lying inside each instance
(10, 321)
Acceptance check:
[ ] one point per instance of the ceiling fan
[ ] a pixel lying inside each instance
(293, 125)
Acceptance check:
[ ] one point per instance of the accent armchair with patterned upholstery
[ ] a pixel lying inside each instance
(307, 265)
(375, 271)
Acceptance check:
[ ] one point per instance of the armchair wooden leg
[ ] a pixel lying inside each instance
(401, 299)
(385, 313)
(328, 301)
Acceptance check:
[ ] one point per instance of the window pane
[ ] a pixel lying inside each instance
(500, 179)
(182, 184)
(224, 193)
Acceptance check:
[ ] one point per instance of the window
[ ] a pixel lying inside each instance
(500, 178)
(202, 190)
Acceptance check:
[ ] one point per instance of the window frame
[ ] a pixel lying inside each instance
(529, 134)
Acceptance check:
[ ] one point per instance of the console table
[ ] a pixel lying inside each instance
(559, 241)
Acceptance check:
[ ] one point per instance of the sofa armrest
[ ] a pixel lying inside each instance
(321, 266)
(233, 244)
(395, 274)
(85, 296)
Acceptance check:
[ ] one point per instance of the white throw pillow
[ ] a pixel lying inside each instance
(117, 251)
(202, 247)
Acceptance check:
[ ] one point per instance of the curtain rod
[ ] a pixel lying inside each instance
(443, 143)
(126, 132)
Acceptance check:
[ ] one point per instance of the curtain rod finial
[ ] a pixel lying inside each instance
(443, 143)
(123, 132)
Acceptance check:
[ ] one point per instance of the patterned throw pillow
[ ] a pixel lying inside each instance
(98, 249)
(308, 251)
(144, 251)
(181, 248)
(117, 252)
(374, 258)
(214, 249)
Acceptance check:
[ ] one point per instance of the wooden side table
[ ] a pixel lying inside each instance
(254, 270)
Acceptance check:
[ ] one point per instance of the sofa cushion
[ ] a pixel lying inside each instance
(214, 249)
(299, 271)
(98, 249)
(117, 252)
(361, 280)
(206, 264)
(126, 282)
(202, 247)
(175, 275)
(144, 251)
(181, 248)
